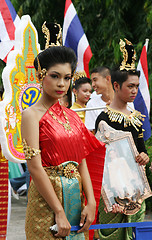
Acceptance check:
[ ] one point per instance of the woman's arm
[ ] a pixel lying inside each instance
(88, 213)
(30, 132)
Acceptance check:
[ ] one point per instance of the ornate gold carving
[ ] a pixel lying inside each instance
(130, 205)
(42, 72)
(29, 151)
(70, 171)
(46, 31)
(127, 53)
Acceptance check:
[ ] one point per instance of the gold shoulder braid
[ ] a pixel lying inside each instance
(133, 119)
(29, 151)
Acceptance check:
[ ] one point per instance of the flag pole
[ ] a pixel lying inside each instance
(146, 43)
(88, 109)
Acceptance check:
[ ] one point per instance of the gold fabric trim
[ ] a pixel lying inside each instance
(3, 220)
(3, 208)
(3, 185)
(133, 119)
(2, 179)
(141, 135)
(5, 202)
(29, 151)
(3, 159)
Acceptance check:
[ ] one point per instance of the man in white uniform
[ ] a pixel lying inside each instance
(103, 94)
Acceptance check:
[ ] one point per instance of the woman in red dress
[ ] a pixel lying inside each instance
(56, 144)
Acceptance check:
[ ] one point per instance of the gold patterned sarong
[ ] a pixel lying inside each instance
(39, 216)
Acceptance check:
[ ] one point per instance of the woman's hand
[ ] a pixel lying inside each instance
(87, 217)
(64, 226)
(117, 208)
(142, 158)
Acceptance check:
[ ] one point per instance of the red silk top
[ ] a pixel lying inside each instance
(58, 145)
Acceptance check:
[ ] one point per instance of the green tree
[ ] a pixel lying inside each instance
(104, 22)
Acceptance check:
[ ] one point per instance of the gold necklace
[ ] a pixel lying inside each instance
(66, 125)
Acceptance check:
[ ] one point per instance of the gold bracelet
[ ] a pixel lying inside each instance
(29, 151)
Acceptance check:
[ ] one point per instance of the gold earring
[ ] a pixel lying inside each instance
(41, 87)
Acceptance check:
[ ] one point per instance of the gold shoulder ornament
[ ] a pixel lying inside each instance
(29, 151)
(135, 118)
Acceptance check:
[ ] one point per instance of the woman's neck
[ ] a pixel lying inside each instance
(81, 103)
(47, 100)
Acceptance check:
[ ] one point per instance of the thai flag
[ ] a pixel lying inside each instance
(75, 38)
(8, 22)
(142, 100)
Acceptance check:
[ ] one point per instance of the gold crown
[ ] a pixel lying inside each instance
(129, 55)
(46, 31)
(77, 75)
(56, 36)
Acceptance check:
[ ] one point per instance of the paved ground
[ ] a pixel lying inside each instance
(16, 227)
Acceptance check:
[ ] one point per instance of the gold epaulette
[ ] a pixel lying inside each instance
(29, 151)
(135, 118)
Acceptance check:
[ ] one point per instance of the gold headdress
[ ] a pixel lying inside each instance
(53, 39)
(129, 55)
(41, 72)
(77, 75)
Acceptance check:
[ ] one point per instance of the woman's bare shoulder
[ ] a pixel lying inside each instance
(33, 113)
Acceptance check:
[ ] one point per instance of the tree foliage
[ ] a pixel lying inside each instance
(104, 22)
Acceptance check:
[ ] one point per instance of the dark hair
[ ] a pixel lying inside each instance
(56, 55)
(69, 97)
(104, 71)
(121, 76)
(79, 82)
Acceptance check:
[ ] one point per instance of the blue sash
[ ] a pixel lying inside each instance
(72, 203)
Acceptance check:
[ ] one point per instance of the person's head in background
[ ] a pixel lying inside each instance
(82, 89)
(125, 84)
(101, 82)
